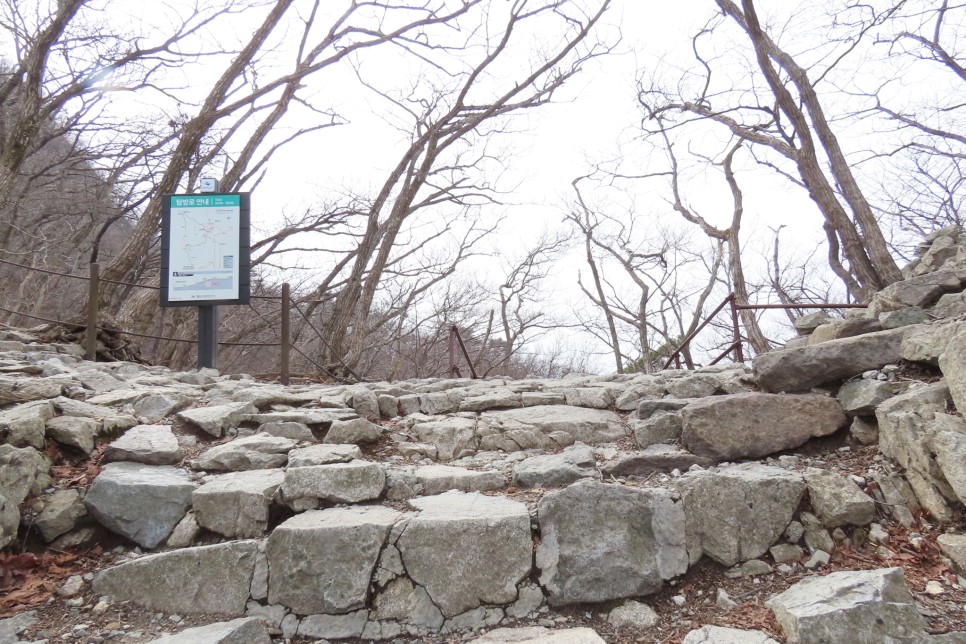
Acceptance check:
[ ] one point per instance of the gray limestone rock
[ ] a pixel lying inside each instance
(503, 398)
(156, 407)
(648, 407)
(953, 365)
(864, 430)
(322, 561)
(60, 514)
(755, 424)
(861, 397)
(487, 543)
(921, 291)
(602, 542)
(109, 421)
(11, 627)
(954, 547)
(950, 305)
(585, 425)
(724, 635)
(693, 385)
(244, 630)
(403, 601)
(20, 390)
(353, 432)
(237, 504)
(141, 502)
(737, 513)
(811, 321)
(443, 402)
(656, 458)
(363, 401)
(925, 343)
(148, 444)
(802, 368)
(632, 614)
(185, 533)
(659, 427)
(860, 607)
(24, 472)
(256, 452)
(903, 317)
(440, 478)
(9, 520)
(946, 438)
(350, 482)
(216, 419)
(323, 454)
(838, 329)
(334, 626)
(296, 431)
(26, 425)
(553, 470)
(837, 500)
(540, 635)
(73, 431)
(591, 397)
(205, 579)
(454, 437)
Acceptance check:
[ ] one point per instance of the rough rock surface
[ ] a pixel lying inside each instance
(603, 542)
(837, 500)
(244, 630)
(148, 444)
(141, 502)
(258, 452)
(754, 424)
(737, 513)
(208, 579)
(237, 504)
(488, 544)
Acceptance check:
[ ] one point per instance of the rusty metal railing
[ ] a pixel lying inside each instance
(736, 345)
(454, 339)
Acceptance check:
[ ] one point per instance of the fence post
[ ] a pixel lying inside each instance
(739, 354)
(453, 370)
(286, 341)
(93, 297)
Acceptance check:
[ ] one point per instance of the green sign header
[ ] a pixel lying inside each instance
(205, 201)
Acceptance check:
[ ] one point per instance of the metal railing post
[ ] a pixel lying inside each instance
(739, 354)
(453, 370)
(283, 366)
(93, 297)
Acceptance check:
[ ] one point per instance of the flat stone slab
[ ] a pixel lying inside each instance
(148, 444)
(258, 452)
(583, 424)
(860, 607)
(723, 635)
(541, 635)
(141, 502)
(436, 479)
(206, 579)
(656, 458)
(750, 425)
(244, 630)
(321, 561)
(217, 418)
(487, 544)
(323, 455)
(837, 500)
(351, 482)
(602, 542)
(237, 504)
(554, 470)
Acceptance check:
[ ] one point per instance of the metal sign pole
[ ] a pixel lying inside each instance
(207, 336)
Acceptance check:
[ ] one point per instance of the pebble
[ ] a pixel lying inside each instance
(724, 601)
(71, 587)
(679, 600)
(878, 534)
(934, 588)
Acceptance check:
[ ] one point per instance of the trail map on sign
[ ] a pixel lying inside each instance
(204, 244)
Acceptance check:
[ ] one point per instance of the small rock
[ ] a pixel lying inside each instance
(724, 601)
(632, 614)
(878, 534)
(73, 586)
(818, 558)
(679, 600)
(934, 588)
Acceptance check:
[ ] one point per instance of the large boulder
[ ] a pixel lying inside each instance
(601, 542)
(755, 424)
(19, 390)
(737, 513)
(207, 579)
(922, 291)
(859, 607)
(321, 561)
(237, 504)
(141, 502)
(454, 437)
(26, 425)
(926, 342)
(467, 549)
(802, 368)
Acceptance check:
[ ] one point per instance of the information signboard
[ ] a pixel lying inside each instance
(205, 249)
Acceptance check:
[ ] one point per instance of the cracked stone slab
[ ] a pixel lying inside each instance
(237, 504)
(148, 444)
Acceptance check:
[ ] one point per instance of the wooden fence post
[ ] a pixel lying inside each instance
(93, 297)
(286, 340)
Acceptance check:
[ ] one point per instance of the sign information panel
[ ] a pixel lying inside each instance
(205, 249)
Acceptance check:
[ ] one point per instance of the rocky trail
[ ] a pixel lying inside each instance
(814, 496)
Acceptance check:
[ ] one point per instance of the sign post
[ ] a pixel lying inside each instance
(206, 258)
